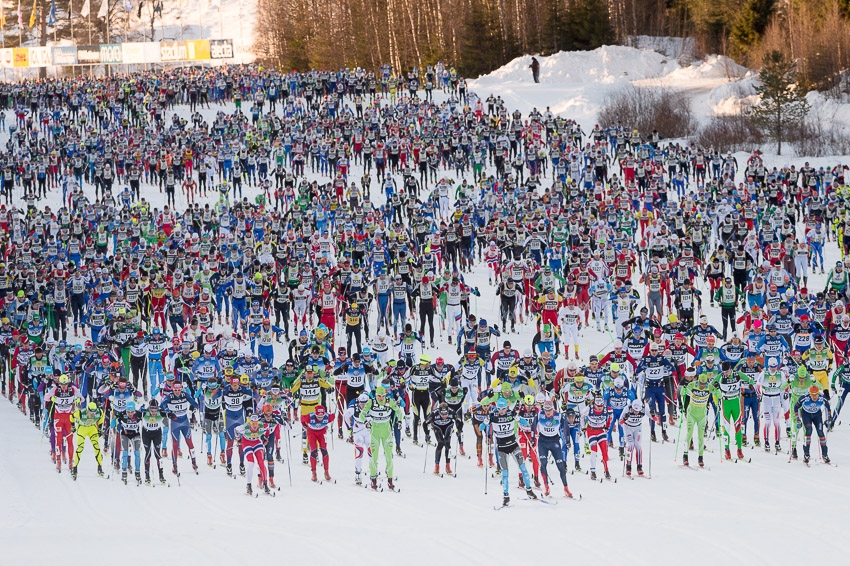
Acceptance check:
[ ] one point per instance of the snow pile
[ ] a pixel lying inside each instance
(606, 65)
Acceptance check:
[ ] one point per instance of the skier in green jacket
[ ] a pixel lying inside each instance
(799, 386)
(696, 395)
(729, 385)
(377, 414)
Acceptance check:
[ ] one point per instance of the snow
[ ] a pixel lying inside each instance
(738, 513)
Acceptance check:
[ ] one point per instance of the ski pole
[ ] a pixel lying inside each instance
(487, 460)
(288, 458)
(678, 436)
(650, 459)
(425, 463)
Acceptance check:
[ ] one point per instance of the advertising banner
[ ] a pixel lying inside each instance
(88, 54)
(221, 49)
(111, 53)
(65, 55)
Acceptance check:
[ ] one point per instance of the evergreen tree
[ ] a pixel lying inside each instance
(589, 25)
(783, 103)
(750, 24)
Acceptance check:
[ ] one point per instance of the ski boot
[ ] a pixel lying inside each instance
(546, 489)
(339, 434)
(536, 482)
(374, 481)
(567, 492)
(593, 475)
(460, 450)
(304, 458)
(165, 452)
(74, 473)
(221, 457)
(622, 453)
(700, 462)
(490, 460)
(327, 476)
(578, 466)
(685, 460)
(521, 482)
(506, 500)
(147, 478)
(407, 433)
(124, 476)
(740, 454)
(628, 470)
(826, 459)
(664, 436)
(229, 469)
(248, 489)
(805, 458)
(138, 477)
(480, 461)
(607, 475)
(777, 447)
(744, 440)
(313, 475)
(174, 470)
(794, 453)
(100, 470)
(272, 484)
(587, 448)
(530, 493)
(241, 469)
(449, 468)
(209, 459)
(398, 452)
(640, 470)
(652, 436)
(416, 442)
(757, 441)
(277, 454)
(727, 454)
(390, 484)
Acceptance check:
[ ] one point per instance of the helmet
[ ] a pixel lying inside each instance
(814, 390)
(362, 398)
(244, 379)
(380, 390)
(615, 366)
(424, 359)
(320, 410)
(548, 406)
(131, 405)
(502, 403)
(92, 406)
(268, 409)
(579, 377)
(637, 405)
(529, 400)
(64, 379)
(439, 361)
(801, 372)
(482, 322)
(513, 371)
(598, 400)
(619, 382)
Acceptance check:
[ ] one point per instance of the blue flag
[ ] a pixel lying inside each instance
(51, 18)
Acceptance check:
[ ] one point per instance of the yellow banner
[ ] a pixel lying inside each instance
(22, 57)
(197, 49)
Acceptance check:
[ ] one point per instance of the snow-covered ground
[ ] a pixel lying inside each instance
(734, 513)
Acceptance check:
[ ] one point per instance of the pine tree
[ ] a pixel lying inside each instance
(783, 103)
